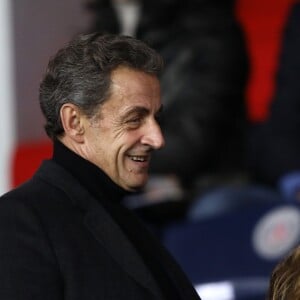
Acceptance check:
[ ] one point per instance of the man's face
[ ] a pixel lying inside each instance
(121, 140)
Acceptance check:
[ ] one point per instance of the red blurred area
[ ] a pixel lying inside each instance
(27, 158)
(263, 22)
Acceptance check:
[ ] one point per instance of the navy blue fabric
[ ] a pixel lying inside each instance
(221, 249)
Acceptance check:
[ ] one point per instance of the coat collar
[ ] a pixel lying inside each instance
(105, 230)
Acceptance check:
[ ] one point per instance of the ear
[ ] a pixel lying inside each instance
(72, 121)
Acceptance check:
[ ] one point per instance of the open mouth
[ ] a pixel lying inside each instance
(137, 158)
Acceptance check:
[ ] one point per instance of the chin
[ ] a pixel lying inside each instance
(136, 187)
(135, 183)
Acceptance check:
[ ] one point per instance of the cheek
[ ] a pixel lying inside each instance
(122, 147)
(96, 146)
(129, 141)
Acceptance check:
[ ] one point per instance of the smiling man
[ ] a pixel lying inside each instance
(64, 235)
(121, 136)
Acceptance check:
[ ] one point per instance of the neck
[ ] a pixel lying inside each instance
(88, 174)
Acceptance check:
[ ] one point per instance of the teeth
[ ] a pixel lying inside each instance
(138, 158)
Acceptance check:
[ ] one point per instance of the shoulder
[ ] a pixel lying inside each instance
(40, 195)
(20, 223)
(21, 202)
(31, 211)
(28, 193)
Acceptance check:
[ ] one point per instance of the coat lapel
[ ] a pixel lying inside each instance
(112, 238)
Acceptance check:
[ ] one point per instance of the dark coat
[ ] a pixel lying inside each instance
(58, 242)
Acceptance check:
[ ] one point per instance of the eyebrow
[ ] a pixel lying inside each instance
(140, 110)
(136, 110)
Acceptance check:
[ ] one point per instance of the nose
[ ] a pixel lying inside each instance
(153, 135)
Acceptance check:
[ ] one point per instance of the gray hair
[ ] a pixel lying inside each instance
(80, 73)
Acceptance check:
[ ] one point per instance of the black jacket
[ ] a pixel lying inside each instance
(58, 242)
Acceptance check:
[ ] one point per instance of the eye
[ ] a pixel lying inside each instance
(136, 117)
(134, 122)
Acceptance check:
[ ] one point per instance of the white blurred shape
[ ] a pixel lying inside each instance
(216, 291)
(7, 103)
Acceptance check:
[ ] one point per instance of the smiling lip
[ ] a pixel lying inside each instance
(141, 160)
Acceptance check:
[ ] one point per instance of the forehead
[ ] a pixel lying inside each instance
(130, 87)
